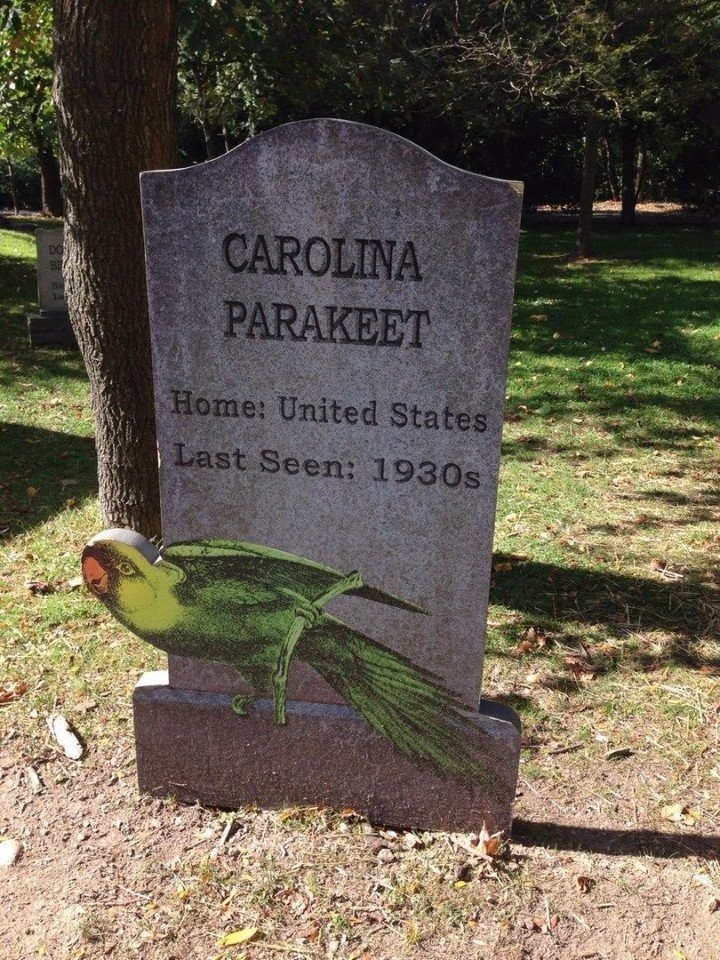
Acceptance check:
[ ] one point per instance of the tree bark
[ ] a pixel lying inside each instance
(115, 98)
(50, 192)
(629, 135)
(593, 127)
(610, 170)
(13, 186)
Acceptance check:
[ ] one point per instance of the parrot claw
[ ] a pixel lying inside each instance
(240, 704)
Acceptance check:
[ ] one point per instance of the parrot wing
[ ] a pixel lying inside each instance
(405, 703)
(262, 572)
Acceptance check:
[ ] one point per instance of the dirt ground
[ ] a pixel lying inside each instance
(107, 873)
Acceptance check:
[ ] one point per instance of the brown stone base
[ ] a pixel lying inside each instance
(191, 745)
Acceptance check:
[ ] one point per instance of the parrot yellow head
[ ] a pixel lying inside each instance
(127, 573)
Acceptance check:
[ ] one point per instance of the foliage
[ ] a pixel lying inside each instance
(26, 74)
(244, 67)
(640, 65)
(501, 87)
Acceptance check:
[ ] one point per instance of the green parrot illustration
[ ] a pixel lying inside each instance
(256, 608)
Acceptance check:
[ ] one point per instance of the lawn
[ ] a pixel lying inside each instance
(604, 626)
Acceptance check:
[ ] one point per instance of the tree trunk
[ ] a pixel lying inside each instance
(629, 136)
(208, 136)
(587, 188)
(13, 187)
(52, 204)
(640, 169)
(115, 98)
(610, 170)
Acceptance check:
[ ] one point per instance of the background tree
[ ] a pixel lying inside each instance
(115, 98)
(27, 122)
(630, 67)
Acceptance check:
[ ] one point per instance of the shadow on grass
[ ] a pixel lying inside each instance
(627, 339)
(59, 467)
(684, 613)
(558, 836)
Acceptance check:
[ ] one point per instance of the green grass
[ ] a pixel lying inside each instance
(611, 453)
(609, 477)
(610, 465)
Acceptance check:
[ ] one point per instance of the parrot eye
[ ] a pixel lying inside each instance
(125, 568)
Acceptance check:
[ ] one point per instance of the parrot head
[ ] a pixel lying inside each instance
(126, 572)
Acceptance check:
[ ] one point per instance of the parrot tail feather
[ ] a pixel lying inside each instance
(403, 702)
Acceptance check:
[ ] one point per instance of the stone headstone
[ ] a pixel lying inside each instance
(50, 326)
(51, 289)
(330, 310)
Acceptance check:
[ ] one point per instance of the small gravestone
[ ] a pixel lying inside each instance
(330, 310)
(50, 326)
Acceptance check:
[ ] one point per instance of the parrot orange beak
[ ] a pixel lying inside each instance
(97, 578)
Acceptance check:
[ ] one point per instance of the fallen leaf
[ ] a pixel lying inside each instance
(85, 706)
(34, 781)
(680, 813)
(619, 753)
(662, 567)
(74, 582)
(32, 491)
(39, 586)
(502, 567)
(531, 640)
(240, 936)
(709, 670)
(578, 664)
(489, 845)
(69, 482)
(12, 692)
(584, 884)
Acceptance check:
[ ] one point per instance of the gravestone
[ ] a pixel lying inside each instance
(50, 326)
(330, 309)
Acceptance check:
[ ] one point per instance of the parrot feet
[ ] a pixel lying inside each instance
(240, 704)
(307, 615)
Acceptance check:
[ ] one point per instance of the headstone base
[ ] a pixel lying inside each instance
(191, 745)
(50, 328)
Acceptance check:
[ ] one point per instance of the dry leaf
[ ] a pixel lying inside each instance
(39, 586)
(680, 813)
(531, 640)
(85, 706)
(584, 884)
(489, 845)
(240, 936)
(662, 567)
(579, 665)
(32, 491)
(502, 567)
(74, 582)
(12, 692)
